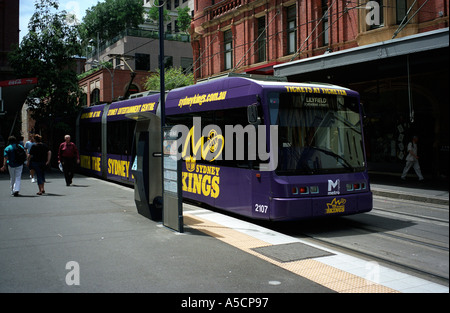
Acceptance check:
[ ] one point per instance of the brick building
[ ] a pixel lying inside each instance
(393, 52)
(105, 85)
(253, 35)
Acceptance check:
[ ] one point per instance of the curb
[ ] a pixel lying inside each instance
(409, 196)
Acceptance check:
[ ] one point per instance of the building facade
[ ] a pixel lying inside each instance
(253, 35)
(9, 34)
(394, 53)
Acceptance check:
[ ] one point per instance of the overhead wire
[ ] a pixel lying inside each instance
(401, 26)
(314, 29)
(339, 15)
(255, 41)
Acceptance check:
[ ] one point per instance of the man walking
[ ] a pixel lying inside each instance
(68, 156)
(412, 159)
(15, 166)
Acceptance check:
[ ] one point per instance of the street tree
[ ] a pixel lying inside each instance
(153, 12)
(183, 19)
(109, 18)
(173, 78)
(48, 52)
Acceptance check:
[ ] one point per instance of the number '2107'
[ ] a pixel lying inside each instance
(262, 208)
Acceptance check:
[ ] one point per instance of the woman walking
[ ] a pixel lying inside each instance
(39, 158)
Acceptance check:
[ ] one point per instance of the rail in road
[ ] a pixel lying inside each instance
(407, 235)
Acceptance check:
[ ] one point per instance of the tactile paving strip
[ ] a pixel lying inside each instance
(326, 275)
(290, 252)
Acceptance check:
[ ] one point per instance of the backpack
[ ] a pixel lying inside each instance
(20, 155)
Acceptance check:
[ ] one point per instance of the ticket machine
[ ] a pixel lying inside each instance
(146, 167)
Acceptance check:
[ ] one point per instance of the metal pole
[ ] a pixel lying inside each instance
(161, 65)
(162, 96)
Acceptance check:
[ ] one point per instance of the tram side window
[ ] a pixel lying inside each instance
(90, 140)
(244, 147)
(120, 137)
(244, 140)
(188, 120)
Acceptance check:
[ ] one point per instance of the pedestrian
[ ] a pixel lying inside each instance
(11, 158)
(28, 146)
(68, 156)
(39, 158)
(412, 159)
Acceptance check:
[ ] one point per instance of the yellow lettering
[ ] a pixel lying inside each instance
(197, 184)
(189, 188)
(112, 112)
(215, 190)
(118, 167)
(184, 175)
(206, 188)
(96, 164)
(148, 107)
(85, 162)
(203, 182)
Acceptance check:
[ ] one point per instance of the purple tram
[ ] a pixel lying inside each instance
(263, 149)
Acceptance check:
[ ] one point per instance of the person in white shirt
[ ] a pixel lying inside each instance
(412, 159)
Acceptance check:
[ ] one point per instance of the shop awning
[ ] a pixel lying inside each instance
(378, 51)
(13, 94)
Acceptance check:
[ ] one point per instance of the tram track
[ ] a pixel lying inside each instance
(408, 236)
(386, 261)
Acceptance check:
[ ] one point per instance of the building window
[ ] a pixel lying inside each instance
(261, 39)
(142, 61)
(228, 44)
(291, 29)
(325, 37)
(401, 10)
(95, 96)
(186, 65)
(118, 62)
(83, 99)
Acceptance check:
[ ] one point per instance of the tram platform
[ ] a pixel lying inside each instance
(431, 190)
(88, 237)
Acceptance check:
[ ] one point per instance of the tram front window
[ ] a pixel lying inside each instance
(317, 133)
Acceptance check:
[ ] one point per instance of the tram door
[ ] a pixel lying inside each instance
(146, 168)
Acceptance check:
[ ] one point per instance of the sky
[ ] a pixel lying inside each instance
(26, 10)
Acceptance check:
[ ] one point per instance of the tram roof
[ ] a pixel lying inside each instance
(221, 93)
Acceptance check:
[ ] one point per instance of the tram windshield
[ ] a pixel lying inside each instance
(317, 133)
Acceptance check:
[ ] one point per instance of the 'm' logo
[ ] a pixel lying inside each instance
(334, 187)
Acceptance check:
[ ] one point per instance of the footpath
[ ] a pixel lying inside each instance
(429, 191)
